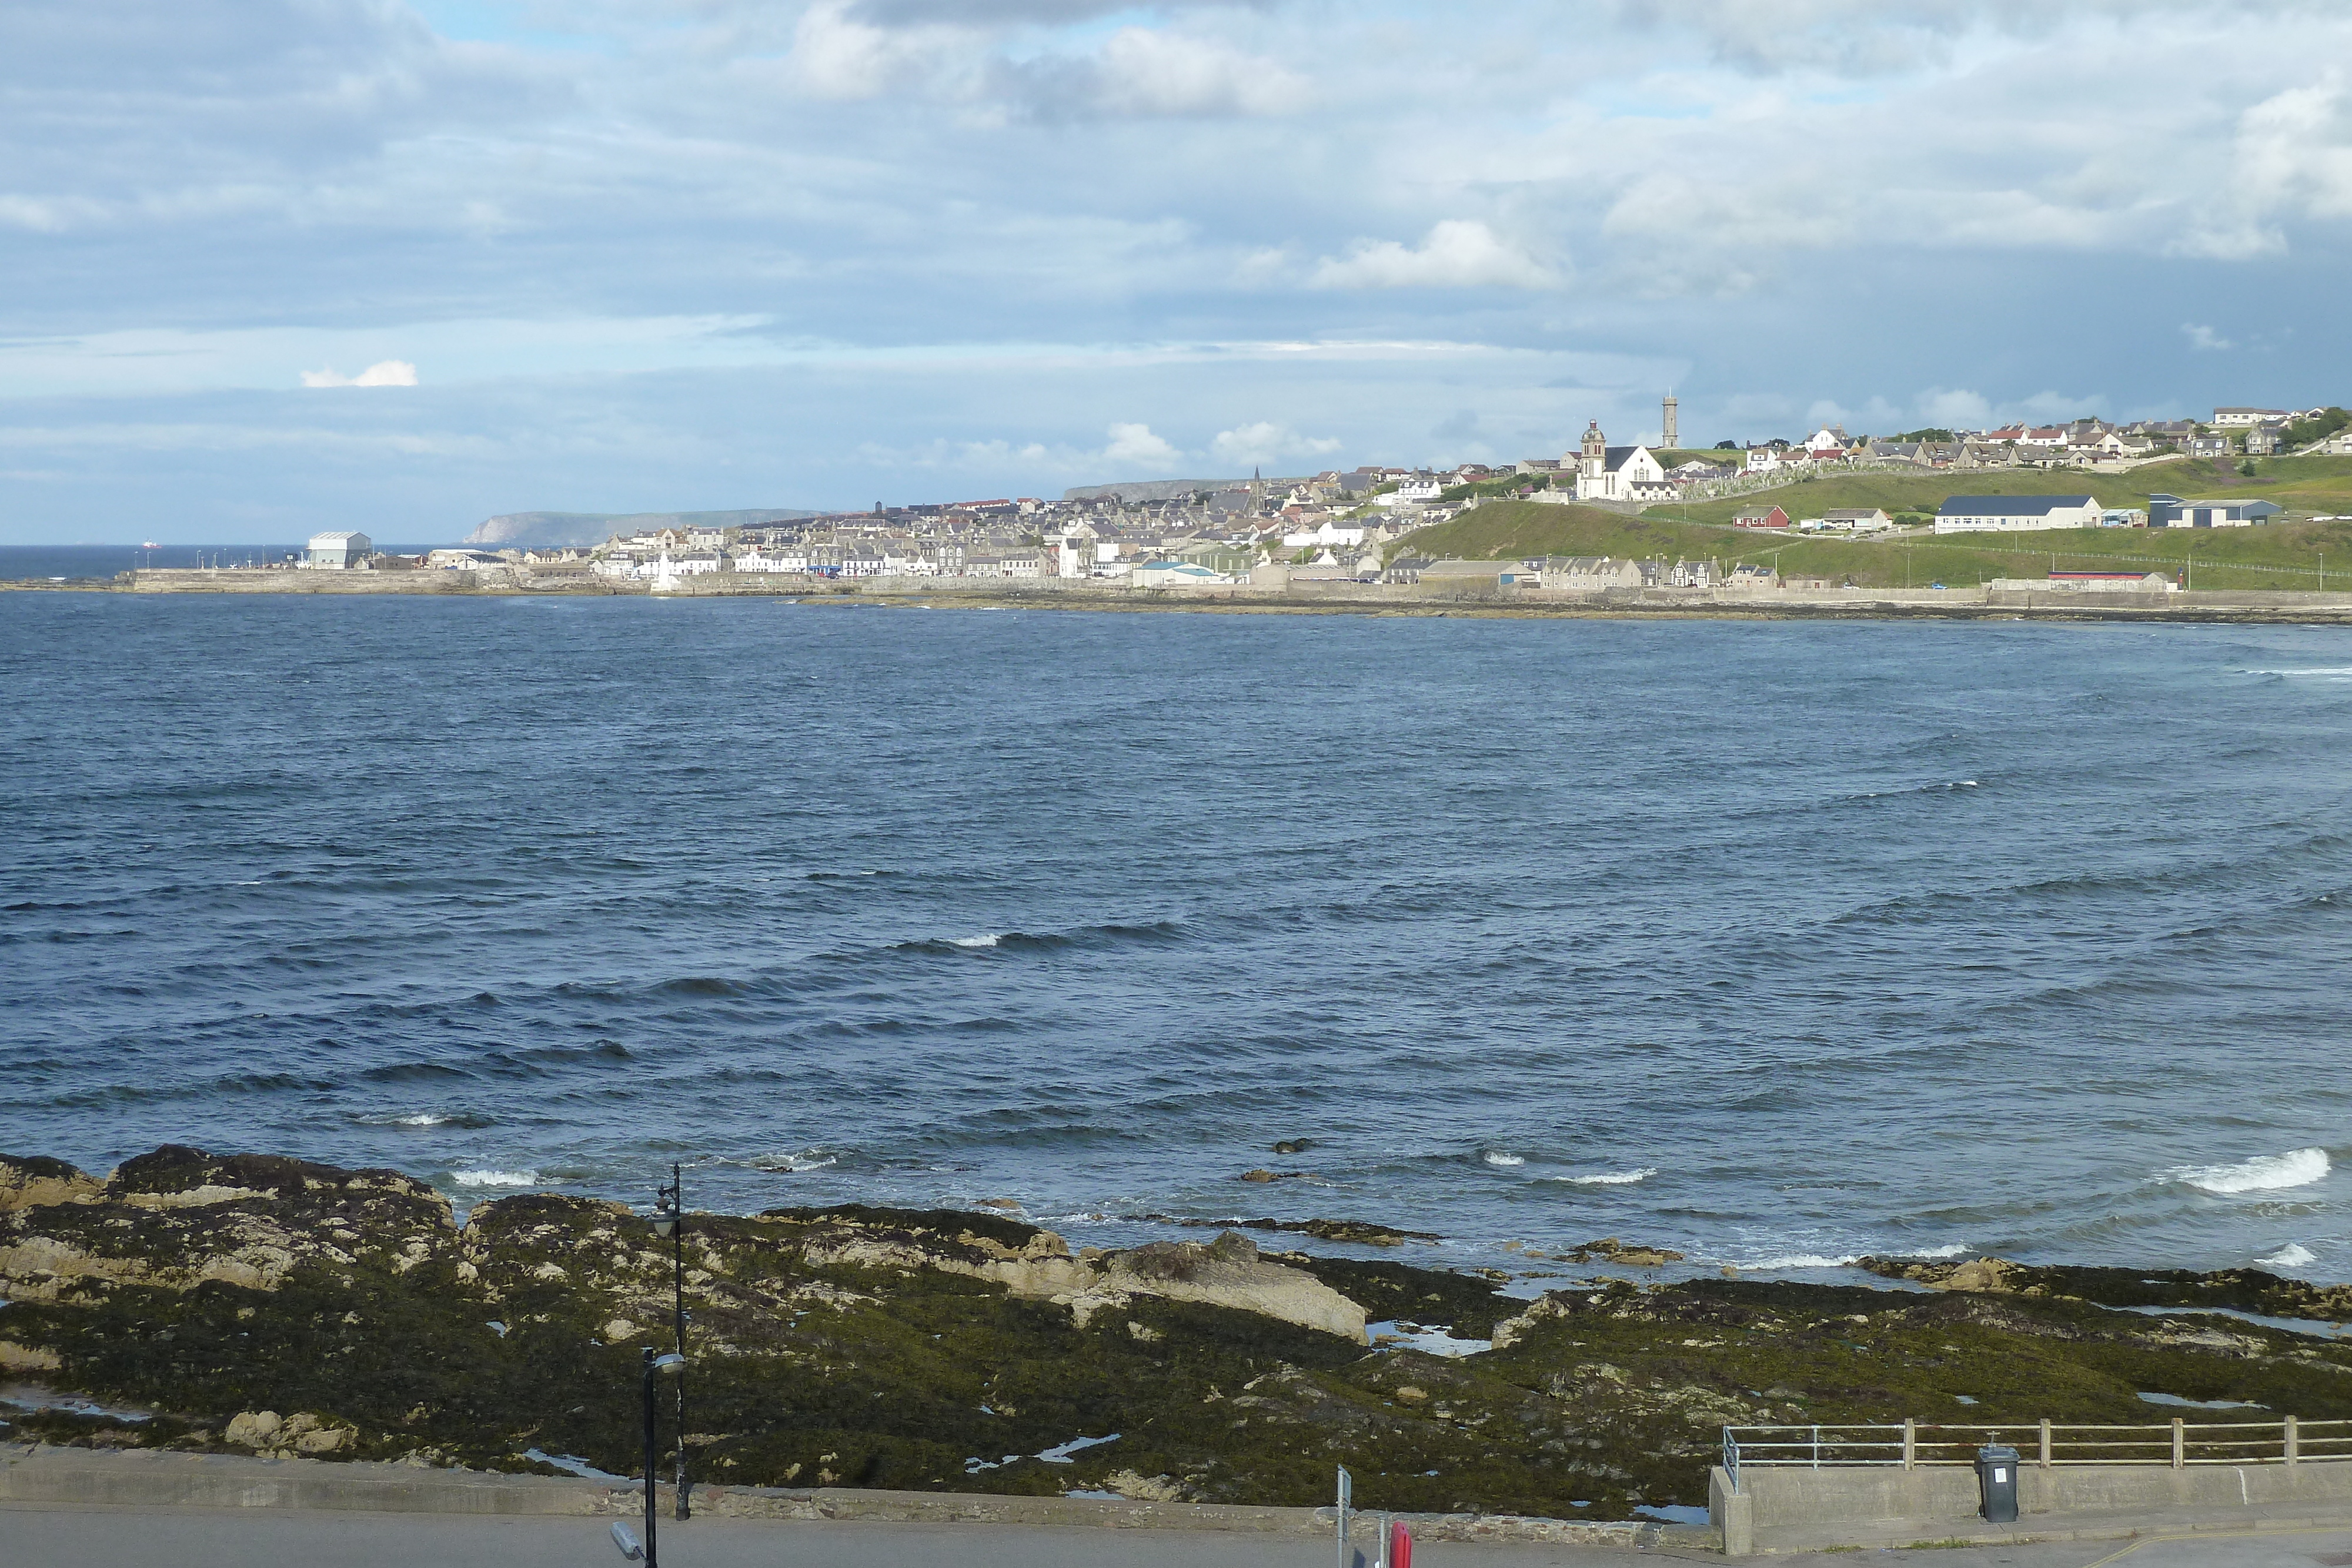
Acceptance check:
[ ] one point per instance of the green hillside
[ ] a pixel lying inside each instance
(2298, 484)
(2275, 556)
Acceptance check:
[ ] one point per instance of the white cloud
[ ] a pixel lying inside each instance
(1955, 408)
(1144, 71)
(834, 56)
(383, 374)
(1265, 442)
(1458, 253)
(1877, 415)
(1134, 446)
(2292, 159)
(2204, 337)
(2295, 150)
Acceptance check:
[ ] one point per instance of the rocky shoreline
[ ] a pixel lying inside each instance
(259, 1305)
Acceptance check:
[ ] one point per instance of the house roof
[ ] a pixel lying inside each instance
(2011, 506)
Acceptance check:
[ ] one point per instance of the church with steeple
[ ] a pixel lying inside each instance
(1606, 473)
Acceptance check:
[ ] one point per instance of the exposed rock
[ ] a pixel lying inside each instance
(1608, 1249)
(1035, 1263)
(899, 1349)
(1228, 1272)
(1144, 1488)
(36, 1179)
(179, 1217)
(14, 1357)
(255, 1428)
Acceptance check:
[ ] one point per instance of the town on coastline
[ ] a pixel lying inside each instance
(1348, 525)
(2018, 517)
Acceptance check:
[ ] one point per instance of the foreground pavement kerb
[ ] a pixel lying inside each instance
(138, 1477)
(39, 1534)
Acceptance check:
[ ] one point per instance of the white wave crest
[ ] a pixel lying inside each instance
(421, 1119)
(790, 1163)
(1499, 1158)
(1803, 1260)
(495, 1178)
(2269, 1173)
(2293, 1255)
(1954, 1250)
(1609, 1178)
(986, 939)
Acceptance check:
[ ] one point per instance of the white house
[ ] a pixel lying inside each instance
(1324, 535)
(1175, 574)
(337, 552)
(1606, 473)
(1769, 459)
(462, 559)
(2238, 418)
(1826, 445)
(1074, 557)
(1859, 519)
(2016, 514)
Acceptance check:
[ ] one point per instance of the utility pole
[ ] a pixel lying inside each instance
(669, 1218)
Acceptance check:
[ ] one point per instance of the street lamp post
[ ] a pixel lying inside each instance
(669, 1222)
(655, 1365)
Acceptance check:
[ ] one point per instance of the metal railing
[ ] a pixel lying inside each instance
(1915, 1445)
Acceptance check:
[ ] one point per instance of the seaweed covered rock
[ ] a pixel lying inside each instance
(38, 1179)
(1038, 1264)
(274, 1306)
(178, 1217)
(2233, 1290)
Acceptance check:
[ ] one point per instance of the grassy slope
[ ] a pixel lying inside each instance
(2275, 556)
(2298, 484)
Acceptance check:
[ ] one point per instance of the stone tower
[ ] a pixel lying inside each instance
(1671, 441)
(1595, 458)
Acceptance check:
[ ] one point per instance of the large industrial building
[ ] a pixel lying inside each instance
(2016, 514)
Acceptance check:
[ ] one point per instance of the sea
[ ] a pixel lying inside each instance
(78, 564)
(1774, 944)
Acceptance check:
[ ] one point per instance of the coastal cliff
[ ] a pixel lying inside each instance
(257, 1303)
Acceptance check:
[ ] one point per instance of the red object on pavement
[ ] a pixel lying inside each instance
(1400, 1545)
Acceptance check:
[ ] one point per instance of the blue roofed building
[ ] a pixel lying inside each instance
(2232, 512)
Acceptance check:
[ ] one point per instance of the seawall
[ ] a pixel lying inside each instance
(1470, 596)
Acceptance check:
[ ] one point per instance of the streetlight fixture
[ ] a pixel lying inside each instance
(669, 1224)
(672, 1364)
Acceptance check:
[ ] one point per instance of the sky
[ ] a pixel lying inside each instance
(273, 265)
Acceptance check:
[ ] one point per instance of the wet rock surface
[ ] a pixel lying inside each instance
(268, 1305)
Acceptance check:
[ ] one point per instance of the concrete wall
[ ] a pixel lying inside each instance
(1770, 1498)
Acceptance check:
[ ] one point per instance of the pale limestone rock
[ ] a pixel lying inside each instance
(192, 1197)
(255, 1428)
(1142, 1487)
(33, 1186)
(14, 1357)
(1984, 1274)
(1510, 1331)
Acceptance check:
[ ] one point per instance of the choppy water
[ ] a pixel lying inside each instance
(1773, 943)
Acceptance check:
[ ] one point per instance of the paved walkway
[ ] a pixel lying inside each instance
(34, 1535)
